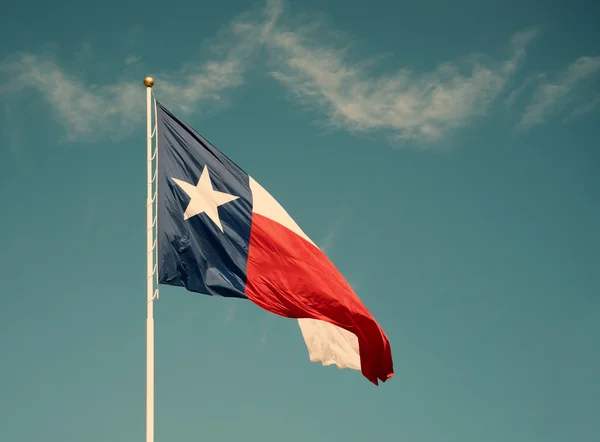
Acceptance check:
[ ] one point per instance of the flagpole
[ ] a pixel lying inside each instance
(149, 82)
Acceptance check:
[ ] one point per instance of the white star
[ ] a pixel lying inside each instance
(204, 199)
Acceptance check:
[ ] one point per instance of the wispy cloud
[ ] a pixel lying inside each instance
(83, 109)
(552, 94)
(328, 240)
(92, 111)
(233, 49)
(230, 313)
(318, 69)
(263, 338)
(584, 109)
(332, 232)
(407, 103)
(131, 59)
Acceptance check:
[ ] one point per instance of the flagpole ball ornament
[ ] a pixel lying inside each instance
(148, 82)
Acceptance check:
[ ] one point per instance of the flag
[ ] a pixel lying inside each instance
(221, 233)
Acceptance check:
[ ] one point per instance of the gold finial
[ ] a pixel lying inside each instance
(148, 82)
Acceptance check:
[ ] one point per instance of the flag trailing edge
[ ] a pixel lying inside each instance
(220, 233)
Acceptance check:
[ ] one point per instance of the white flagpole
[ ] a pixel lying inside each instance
(149, 82)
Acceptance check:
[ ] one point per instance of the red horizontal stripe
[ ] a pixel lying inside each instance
(290, 277)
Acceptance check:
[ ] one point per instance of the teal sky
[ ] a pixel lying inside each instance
(444, 154)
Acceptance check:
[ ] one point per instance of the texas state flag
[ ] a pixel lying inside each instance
(221, 233)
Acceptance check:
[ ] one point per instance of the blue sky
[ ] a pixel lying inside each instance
(444, 154)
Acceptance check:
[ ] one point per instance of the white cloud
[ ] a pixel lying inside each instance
(332, 232)
(553, 93)
(263, 338)
(84, 109)
(410, 104)
(131, 59)
(420, 106)
(230, 313)
(328, 241)
(91, 111)
(584, 109)
(207, 81)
